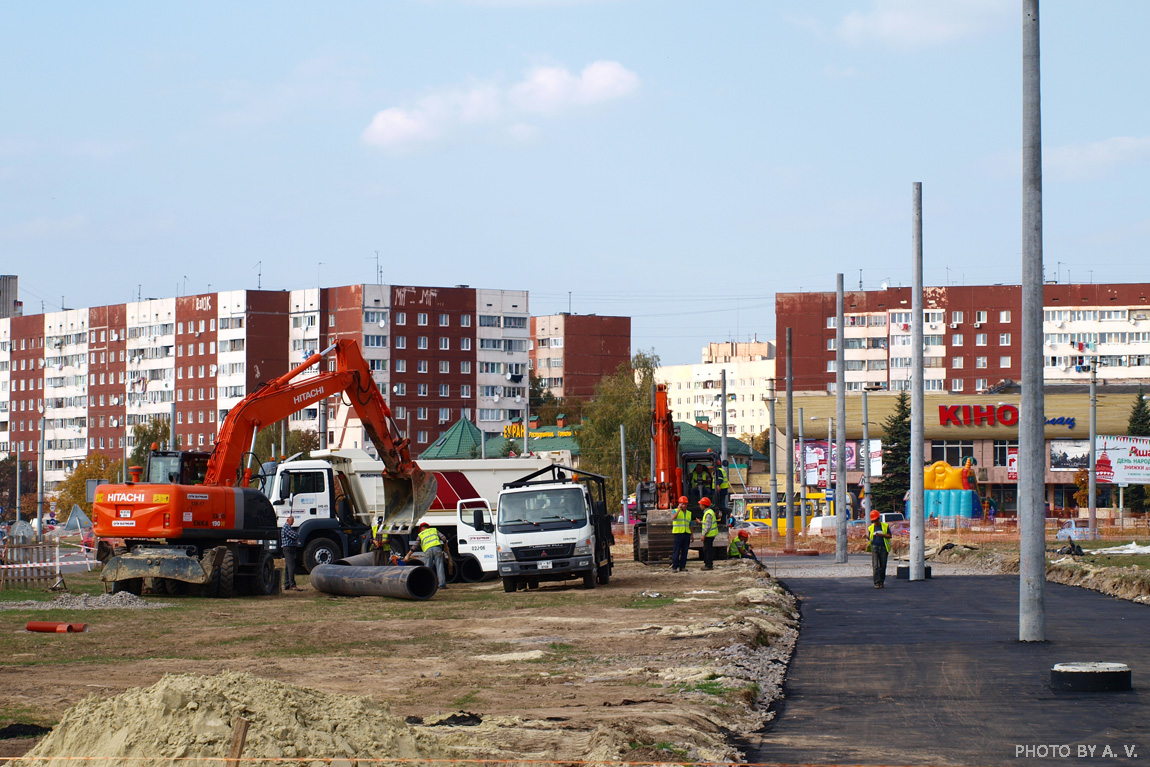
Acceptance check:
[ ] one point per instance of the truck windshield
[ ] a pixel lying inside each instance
(551, 507)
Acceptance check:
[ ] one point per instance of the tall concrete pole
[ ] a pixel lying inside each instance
(917, 401)
(1093, 488)
(774, 471)
(790, 543)
(802, 475)
(40, 488)
(866, 460)
(723, 437)
(322, 413)
(623, 463)
(1031, 422)
(841, 505)
(18, 481)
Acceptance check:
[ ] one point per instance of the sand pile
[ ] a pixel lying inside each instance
(182, 718)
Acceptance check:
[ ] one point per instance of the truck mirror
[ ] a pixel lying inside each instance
(477, 518)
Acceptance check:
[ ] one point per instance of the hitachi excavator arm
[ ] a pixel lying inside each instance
(410, 490)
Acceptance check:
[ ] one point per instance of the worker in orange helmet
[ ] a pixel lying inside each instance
(740, 548)
(709, 530)
(878, 548)
(680, 536)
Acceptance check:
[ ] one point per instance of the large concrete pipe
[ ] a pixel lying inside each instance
(416, 582)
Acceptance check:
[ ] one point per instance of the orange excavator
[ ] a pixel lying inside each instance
(198, 523)
(674, 475)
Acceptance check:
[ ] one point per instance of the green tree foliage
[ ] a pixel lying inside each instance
(548, 407)
(1135, 497)
(8, 485)
(623, 398)
(154, 430)
(74, 489)
(298, 441)
(888, 492)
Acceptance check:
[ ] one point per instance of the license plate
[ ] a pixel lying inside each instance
(544, 565)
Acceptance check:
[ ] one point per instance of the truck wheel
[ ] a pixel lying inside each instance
(511, 584)
(130, 585)
(320, 551)
(604, 576)
(589, 578)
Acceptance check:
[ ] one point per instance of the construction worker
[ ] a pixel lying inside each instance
(723, 482)
(681, 536)
(740, 548)
(289, 544)
(710, 530)
(431, 543)
(878, 549)
(700, 481)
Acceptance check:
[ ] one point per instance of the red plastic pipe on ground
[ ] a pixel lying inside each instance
(52, 627)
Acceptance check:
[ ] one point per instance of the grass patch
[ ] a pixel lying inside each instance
(23, 715)
(1118, 560)
(647, 603)
(466, 700)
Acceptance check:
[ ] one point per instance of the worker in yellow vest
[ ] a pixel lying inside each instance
(681, 536)
(431, 543)
(709, 531)
(878, 548)
(723, 485)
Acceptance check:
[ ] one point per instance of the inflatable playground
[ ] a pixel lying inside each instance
(950, 492)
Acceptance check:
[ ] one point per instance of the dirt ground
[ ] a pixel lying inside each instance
(654, 665)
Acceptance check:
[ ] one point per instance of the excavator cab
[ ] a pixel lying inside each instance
(177, 467)
(700, 479)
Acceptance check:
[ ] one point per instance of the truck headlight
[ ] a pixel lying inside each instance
(506, 555)
(583, 548)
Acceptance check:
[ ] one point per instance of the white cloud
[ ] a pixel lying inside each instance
(544, 91)
(1077, 162)
(915, 23)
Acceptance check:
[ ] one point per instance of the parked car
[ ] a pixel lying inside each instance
(825, 525)
(1074, 530)
(754, 528)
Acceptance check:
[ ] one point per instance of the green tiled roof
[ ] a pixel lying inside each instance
(692, 439)
(462, 440)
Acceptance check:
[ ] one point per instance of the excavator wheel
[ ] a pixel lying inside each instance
(130, 585)
(267, 577)
(223, 582)
(635, 535)
(172, 587)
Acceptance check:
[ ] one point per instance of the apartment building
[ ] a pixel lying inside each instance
(571, 353)
(695, 391)
(972, 337)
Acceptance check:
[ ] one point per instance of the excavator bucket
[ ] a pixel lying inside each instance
(156, 563)
(407, 498)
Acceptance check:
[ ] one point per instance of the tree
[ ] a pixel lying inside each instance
(1135, 497)
(887, 494)
(298, 441)
(1082, 482)
(74, 489)
(548, 407)
(623, 398)
(8, 486)
(154, 430)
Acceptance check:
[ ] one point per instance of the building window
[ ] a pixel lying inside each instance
(444, 344)
(465, 322)
(421, 437)
(401, 390)
(401, 318)
(980, 339)
(980, 317)
(953, 452)
(465, 344)
(421, 318)
(489, 321)
(465, 391)
(956, 318)
(401, 366)
(956, 362)
(445, 390)
(421, 342)
(444, 414)
(490, 414)
(421, 414)
(1004, 339)
(831, 345)
(377, 318)
(401, 342)
(465, 367)
(980, 384)
(375, 342)
(1004, 315)
(400, 412)
(444, 320)
(956, 384)
(421, 366)
(832, 322)
(330, 321)
(956, 339)
(1004, 362)
(422, 392)
(830, 366)
(980, 362)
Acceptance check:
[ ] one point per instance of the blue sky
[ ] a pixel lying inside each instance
(679, 162)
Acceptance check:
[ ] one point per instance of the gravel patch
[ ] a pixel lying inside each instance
(121, 601)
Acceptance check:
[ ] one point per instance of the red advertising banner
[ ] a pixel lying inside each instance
(1012, 463)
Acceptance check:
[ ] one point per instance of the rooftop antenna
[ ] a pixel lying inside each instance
(568, 301)
(259, 274)
(378, 272)
(860, 280)
(139, 291)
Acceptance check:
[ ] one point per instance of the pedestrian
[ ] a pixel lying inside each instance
(700, 481)
(431, 542)
(709, 531)
(289, 543)
(740, 548)
(681, 536)
(723, 482)
(878, 549)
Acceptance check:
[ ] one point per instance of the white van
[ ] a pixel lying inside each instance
(824, 525)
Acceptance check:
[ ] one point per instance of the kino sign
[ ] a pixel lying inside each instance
(989, 415)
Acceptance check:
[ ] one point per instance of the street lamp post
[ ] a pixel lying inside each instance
(1093, 484)
(40, 488)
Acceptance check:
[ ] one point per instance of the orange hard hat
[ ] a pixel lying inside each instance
(874, 516)
(422, 525)
(683, 499)
(744, 534)
(705, 502)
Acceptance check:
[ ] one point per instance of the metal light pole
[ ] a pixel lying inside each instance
(623, 462)
(774, 482)
(40, 488)
(841, 505)
(1031, 422)
(1093, 488)
(723, 436)
(917, 403)
(790, 542)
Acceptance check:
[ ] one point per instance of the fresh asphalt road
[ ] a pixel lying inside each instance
(931, 672)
